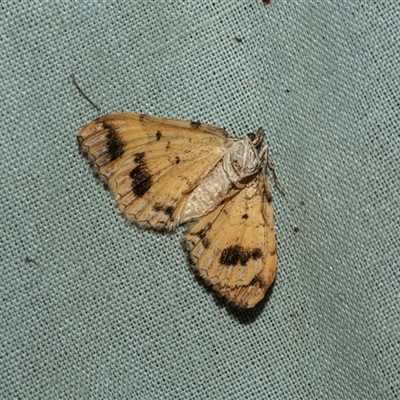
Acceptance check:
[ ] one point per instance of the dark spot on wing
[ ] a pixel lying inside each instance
(177, 160)
(115, 146)
(168, 145)
(245, 216)
(167, 210)
(205, 242)
(158, 135)
(256, 253)
(202, 235)
(141, 180)
(142, 117)
(140, 175)
(239, 255)
(202, 232)
(139, 158)
(195, 124)
(158, 207)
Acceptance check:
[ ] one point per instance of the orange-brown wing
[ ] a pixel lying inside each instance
(150, 163)
(233, 248)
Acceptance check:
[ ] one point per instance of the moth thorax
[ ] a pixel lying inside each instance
(241, 161)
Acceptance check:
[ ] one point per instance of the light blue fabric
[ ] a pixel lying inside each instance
(111, 311)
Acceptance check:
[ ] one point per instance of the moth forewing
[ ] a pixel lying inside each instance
(150, 163)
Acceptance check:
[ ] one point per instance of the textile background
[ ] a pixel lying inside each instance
(104, 310)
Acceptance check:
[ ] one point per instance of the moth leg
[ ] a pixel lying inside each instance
(266, 161)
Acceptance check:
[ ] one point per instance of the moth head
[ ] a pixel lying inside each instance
(242, 160)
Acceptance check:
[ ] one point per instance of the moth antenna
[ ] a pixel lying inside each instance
(83, 94)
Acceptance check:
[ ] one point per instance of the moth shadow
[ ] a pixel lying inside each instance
(244, 316)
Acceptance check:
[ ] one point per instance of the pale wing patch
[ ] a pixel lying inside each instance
(149, 163)
(229, 246)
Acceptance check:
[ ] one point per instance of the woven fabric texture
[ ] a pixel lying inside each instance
(94, 308)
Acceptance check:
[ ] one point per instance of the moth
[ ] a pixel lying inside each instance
(164, 173)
